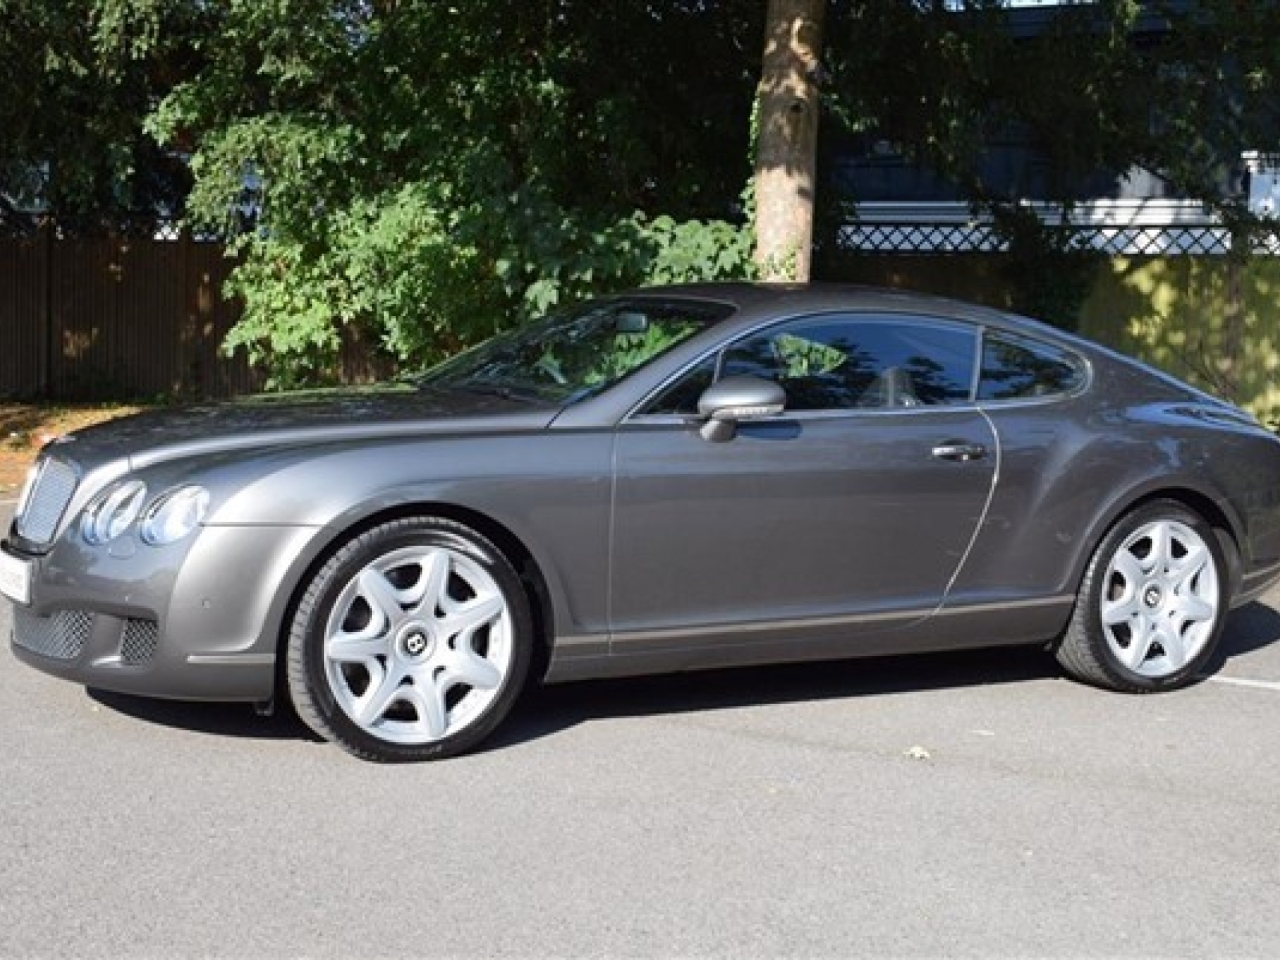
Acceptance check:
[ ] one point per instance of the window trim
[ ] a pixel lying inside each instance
(1082, 361)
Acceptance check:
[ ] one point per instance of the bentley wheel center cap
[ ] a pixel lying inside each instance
(415, 642)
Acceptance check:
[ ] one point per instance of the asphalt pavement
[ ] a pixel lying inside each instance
(974, 805)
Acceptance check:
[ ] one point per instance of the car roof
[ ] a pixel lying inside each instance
(817, 297)
(751, 301)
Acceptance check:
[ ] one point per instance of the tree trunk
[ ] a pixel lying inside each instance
(787, 139)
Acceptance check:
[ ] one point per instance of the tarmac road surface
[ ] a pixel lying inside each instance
(961, 806)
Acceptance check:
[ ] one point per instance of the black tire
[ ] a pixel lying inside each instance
(1152, 604)
(418, 681)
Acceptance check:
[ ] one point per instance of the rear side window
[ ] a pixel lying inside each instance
(1014, 368)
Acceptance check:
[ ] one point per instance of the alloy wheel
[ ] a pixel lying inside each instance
(417, 644)
(1160, 599)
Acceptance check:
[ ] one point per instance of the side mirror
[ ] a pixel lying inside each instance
(733, 399)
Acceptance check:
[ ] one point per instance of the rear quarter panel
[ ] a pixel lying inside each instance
(1070, 468)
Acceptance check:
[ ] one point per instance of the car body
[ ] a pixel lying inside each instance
(669, 479)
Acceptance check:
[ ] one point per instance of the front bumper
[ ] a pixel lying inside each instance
(197, 620)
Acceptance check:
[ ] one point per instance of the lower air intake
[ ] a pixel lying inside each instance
(59, 637)
(139, 641)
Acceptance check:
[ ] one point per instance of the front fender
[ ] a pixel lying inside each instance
(551, 492)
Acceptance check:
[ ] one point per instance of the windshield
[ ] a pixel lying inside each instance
(569, 356)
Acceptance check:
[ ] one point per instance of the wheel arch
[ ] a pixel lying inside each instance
(537, 590)
(1214, 512)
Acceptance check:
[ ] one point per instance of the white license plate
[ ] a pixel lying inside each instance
(15, 578)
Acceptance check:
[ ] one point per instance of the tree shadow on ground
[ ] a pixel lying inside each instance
(549, 710)
(1253, 627)
(546, 711)
(543, 711)
(216, 719)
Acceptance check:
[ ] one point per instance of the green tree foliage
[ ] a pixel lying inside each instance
(1095, 88)
(426, 171)
(1216, 91)
(79, 81)
(430, 171)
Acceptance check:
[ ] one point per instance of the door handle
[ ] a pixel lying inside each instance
(962, 452)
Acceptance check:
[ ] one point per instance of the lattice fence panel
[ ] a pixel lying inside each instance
(978, 237)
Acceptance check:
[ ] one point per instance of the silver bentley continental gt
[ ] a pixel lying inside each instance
(669, 479)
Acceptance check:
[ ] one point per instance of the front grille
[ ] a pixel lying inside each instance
(43, 506)
(139, 641)
(60, 637)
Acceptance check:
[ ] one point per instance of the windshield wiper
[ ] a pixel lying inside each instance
(502, 390)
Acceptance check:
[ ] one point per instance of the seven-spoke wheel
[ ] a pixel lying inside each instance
(1152, 603)
(411, 642)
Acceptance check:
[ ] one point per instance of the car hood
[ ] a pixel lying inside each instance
(318, 416)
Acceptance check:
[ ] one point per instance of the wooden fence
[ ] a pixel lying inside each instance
(115, 318)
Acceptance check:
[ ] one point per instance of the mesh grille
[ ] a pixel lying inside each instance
(61, 637)
(138, 645)
(50, 493)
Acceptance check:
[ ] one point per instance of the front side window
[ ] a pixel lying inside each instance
(843, 363)
(1014, 368)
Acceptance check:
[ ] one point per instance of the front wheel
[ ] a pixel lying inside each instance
(1152, 604)
(411, 643)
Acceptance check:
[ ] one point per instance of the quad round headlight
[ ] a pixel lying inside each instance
(112, 512)
(174, 514)
(169, 518)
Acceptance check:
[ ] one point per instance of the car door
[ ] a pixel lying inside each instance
(852, 511)
(1032, 391)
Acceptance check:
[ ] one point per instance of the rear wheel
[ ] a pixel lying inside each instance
(1152, 604)
(411, 643)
